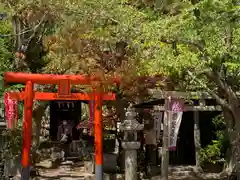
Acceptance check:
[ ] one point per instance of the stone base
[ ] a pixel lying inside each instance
(109, 164)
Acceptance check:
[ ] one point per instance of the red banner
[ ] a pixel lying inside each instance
(11, 111)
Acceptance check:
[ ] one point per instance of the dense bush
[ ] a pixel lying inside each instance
(216, 150)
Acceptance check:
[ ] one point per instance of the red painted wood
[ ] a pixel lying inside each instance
(29, 95)
(64, 88)
(13, 77)
(27, 124)
(98, 129)
(45, 96)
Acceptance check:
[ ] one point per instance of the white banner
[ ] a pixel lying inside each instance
(176, 111)
(158, 123)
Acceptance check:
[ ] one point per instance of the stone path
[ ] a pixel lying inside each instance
(63, 172)
(76, 172)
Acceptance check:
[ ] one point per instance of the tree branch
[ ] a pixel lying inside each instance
(219, 100)
(197, 45)
(214, 75)
(26, 30)
(18, 34)
(35, 29)
(229, 39)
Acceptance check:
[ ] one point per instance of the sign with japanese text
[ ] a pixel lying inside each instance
(176, 111)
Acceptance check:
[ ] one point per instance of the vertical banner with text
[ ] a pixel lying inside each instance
(11, 111)
(158, 115)
(176, 107)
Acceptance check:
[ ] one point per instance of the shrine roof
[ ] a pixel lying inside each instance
(157, 96)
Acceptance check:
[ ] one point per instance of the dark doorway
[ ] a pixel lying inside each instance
(206, 127)
(185, 152)
(64, 110)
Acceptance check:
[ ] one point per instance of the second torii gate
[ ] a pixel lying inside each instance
(64, 83)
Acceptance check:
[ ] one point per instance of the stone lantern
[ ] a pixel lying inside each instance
(130, 127)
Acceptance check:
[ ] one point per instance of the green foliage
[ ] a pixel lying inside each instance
(81, 30)
(13, 143)
(12, 138)
(216, 151)
(5, 42)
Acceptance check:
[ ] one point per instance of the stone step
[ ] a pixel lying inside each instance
(181, 168)
(59, 177)
(182, 178)
(182, 173)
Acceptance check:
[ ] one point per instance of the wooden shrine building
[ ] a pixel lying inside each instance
(199, 110)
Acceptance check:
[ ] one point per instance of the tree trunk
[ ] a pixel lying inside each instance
(120, 109)
(231, 160)
(38, 113)
(233, 153)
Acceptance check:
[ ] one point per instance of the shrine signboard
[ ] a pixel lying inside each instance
(176, 111)
(64, 88)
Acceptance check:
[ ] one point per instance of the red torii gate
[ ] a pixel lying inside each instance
(64, 83)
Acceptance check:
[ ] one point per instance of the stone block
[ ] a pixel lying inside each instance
(89, 167)
(109, 163)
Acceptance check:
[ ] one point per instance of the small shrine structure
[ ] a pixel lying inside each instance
(193, 101)
(64, 83)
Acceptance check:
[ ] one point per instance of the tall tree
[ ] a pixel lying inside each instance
(201, 45)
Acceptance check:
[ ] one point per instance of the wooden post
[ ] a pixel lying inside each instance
(98, 136)
(165, 152)
(27, 130)
(197, 140)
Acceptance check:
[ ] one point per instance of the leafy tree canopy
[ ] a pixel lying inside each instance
(188, 40)
(196, 43)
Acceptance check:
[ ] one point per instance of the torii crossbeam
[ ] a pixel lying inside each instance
(64, 83)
